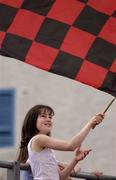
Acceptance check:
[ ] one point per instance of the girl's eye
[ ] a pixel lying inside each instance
(43, 116)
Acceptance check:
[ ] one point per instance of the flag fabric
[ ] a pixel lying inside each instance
(72, 38)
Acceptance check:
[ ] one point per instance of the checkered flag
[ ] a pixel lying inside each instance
(72, 38)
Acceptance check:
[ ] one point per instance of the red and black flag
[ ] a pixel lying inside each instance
(72, 38)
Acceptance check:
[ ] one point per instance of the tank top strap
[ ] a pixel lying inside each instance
(29, 145)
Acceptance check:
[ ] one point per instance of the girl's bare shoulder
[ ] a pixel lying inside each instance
(37, 142)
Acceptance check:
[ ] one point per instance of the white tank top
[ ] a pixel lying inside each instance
(43, 164)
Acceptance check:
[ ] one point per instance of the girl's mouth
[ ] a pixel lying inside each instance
(49, 125)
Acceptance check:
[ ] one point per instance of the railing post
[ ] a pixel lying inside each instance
(14, 173)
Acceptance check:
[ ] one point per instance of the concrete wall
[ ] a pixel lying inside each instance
(74, 104)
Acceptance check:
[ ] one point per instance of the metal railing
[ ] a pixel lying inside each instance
(13, 172)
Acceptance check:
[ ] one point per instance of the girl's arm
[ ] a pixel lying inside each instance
(63, 165)
(79, 138)
(67, 170)
(80, 155)
(41, 141)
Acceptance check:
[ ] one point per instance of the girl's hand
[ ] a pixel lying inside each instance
(98, 173)
(97, 119)
(81, 154)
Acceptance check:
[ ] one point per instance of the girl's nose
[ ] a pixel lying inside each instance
(48, 118)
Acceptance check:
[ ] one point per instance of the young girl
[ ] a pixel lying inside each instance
(37, 145)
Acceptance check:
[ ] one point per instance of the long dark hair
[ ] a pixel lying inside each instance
(29, 129)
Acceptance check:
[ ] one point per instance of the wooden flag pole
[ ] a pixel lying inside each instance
(105, 110)
(107, 107)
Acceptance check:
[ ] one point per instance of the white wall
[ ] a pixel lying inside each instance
(74, 103)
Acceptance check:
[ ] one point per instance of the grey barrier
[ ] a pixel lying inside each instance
(14, 168)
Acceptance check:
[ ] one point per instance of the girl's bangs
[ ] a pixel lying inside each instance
(47, 110)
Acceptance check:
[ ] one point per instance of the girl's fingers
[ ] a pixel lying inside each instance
(81, 154)
(100, 116)
(87, 151)
(97, 173)
(97, 119)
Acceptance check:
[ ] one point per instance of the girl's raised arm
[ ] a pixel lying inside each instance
(41, 141)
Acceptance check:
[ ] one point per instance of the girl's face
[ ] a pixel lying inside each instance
(44, 122)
